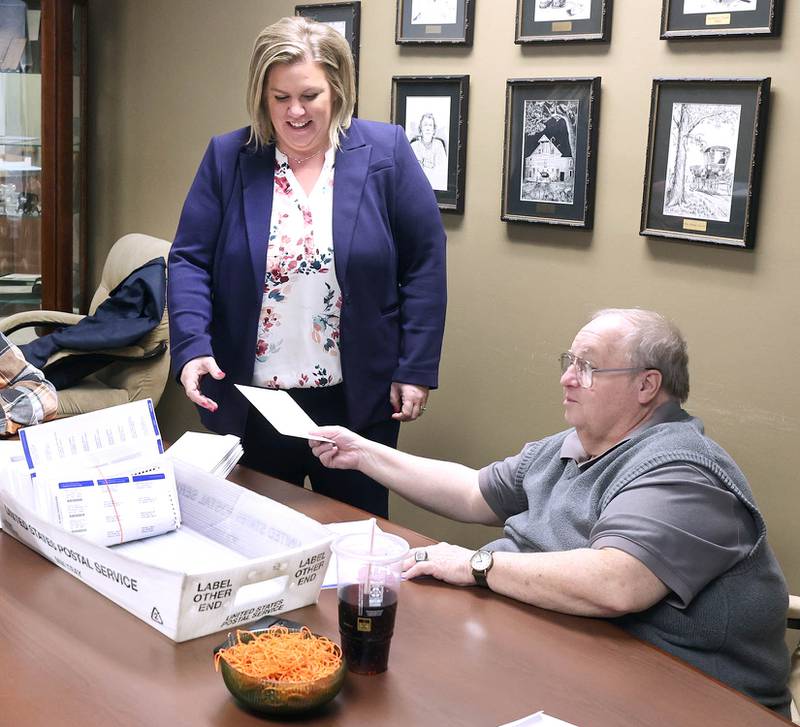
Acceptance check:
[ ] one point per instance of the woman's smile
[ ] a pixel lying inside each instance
(298, 98)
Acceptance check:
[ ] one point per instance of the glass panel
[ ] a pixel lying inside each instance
(20, 156)
(78, 90)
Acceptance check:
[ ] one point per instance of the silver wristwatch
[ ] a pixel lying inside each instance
(481, 563)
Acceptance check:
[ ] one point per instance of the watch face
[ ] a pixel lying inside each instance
(481, 560)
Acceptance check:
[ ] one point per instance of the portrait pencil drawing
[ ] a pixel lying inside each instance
(434, 12)
(427, 127)
(340, 26)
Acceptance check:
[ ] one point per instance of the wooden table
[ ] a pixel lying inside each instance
(460, 656)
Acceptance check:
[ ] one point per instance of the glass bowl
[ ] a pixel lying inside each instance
(278, 698)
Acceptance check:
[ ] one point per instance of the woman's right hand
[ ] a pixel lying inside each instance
(191, 374)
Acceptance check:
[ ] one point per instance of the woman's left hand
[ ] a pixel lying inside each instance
(408, 401)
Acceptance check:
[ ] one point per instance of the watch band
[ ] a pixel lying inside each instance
(479, 574)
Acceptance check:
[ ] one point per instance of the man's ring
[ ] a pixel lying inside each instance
(420, 555)
(422, 408)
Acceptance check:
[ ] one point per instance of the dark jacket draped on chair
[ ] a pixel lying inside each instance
(133, 309)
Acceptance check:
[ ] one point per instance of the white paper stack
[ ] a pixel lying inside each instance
(539, 719)
(101, 475)
(216, 454)
(11, 455)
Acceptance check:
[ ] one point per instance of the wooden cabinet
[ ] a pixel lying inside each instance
(42, 155)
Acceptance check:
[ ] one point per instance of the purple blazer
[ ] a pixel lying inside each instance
(389, 254)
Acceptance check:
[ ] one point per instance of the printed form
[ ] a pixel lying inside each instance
(10, 456)
(100, 475)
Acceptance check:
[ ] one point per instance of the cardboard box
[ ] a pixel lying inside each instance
(237, 557)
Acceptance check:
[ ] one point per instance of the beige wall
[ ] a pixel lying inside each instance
(167, 74)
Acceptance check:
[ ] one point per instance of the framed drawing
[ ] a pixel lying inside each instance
(444, 22)
(550, 150)
(545, 21)
(343, 17)
(715, 18)
(704, 157)
(433, 111)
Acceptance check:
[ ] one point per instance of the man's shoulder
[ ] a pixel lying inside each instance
(684, 432)
(548, 447)
(684, 442)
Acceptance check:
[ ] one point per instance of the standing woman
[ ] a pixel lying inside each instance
(310, 257)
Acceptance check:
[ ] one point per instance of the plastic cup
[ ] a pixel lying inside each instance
(368, 569)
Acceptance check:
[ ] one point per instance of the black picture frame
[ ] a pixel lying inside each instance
(550, 150)
(549, 21)
(435, 22)
(336, 14)
(687, 19)
(430, 101)
(714, 129)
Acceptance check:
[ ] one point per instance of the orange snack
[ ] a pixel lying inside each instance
(281, 655)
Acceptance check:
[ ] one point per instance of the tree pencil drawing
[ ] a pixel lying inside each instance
(713, 6)
(539, 113)
(701, 160)
(548, 151)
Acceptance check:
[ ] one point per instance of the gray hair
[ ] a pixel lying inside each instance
(292, 40)
(655, 342)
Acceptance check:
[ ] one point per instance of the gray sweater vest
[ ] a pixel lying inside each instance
(734, 628)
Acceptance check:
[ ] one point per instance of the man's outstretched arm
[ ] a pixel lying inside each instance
(445, 488)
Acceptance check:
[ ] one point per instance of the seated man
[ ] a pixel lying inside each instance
(631, 514)
(26, 397)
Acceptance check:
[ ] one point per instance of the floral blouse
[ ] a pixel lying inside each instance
(298, 329)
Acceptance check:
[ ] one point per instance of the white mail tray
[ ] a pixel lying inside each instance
(237, 557)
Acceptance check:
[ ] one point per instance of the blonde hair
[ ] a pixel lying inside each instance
(292, 40)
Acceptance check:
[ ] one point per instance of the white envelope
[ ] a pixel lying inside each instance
(283, 412)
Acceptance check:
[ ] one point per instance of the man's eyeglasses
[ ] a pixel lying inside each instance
(584, 371)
